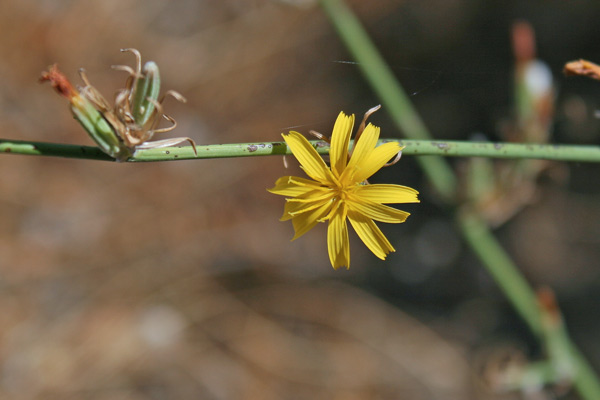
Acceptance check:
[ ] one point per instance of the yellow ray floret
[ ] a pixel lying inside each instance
(340, 192)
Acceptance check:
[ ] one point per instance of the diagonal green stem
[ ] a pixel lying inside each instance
(412, 147)
(473, 228)
(393, 97)
(501, 267)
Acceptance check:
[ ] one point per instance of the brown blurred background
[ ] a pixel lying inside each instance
(176, 280)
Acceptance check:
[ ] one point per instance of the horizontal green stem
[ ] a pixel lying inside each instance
(413, 147)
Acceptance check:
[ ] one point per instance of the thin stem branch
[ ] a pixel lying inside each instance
(501, 268)
(386, 86)
(475, 231)
(412, 147)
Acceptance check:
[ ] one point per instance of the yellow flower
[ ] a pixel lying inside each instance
(340, 192)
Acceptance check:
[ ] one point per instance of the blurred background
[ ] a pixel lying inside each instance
(176, 280)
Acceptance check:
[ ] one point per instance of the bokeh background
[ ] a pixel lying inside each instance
(176, 280)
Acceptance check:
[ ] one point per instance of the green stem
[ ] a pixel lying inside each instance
(501, 268)
(524, 300)
(473, 228)
(392, 96)
(585, 379)
(413, 147)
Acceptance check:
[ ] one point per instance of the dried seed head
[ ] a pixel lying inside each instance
(133, 120)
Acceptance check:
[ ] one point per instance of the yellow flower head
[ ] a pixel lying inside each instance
(336, 193)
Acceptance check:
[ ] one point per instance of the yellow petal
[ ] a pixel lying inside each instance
(305, 203)
(311, 161)
(386, 193)
(293, 186)
(375, 160)
(313, 195)
(362, 149)
(338, 244)
(340, 139)
(306, 221)
(305, 182)
(378, 212)
(370, 234)
(286, 214)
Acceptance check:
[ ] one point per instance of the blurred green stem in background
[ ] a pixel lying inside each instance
(500, 266)
(445, 148)
(390, 92)
(473, 228)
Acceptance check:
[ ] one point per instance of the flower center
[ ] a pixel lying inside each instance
(342, 193)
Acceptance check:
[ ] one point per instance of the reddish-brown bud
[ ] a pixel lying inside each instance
(59, 82)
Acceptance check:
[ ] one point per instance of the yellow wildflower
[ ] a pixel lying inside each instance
(341, 192)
